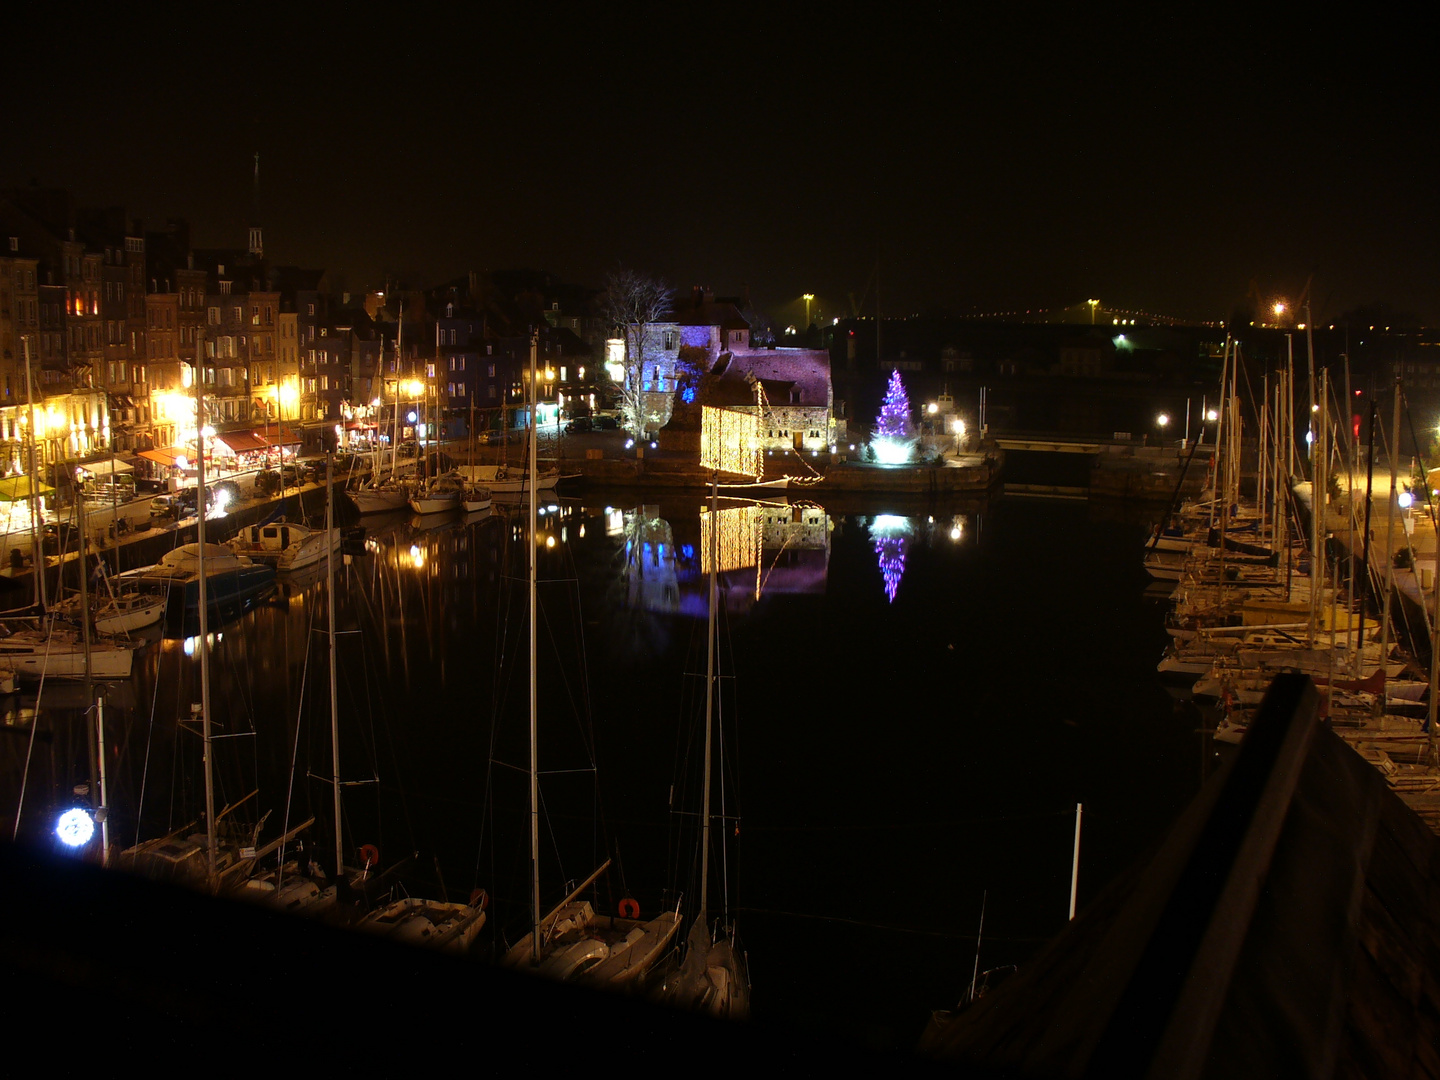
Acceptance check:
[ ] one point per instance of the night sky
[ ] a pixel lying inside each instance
(1174, 162)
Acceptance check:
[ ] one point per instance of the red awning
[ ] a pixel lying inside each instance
(278, 435)
(167, 455)
(242, 442)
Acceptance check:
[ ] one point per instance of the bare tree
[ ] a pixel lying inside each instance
(632, 304)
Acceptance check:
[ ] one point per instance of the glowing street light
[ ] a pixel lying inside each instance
(75, 828)
(808, 298)
(1093, 305)
(1163, 420)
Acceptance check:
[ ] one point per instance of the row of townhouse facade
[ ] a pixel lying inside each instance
(105, 330)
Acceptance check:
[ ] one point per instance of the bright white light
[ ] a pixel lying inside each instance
(932, 408)
(222, 500)
(208, 431)
(653, 444)
(891, 451)
(1163, 419)
(417, 556)
(550, 541)
(1211, 415)
(410, 417)
(629, 443)
(75, 828)
(1309, 437)
(889, 525)
(1405, 499)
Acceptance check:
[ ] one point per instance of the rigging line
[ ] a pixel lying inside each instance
(295, 744)
(35, 720)
(149, 738)
(888, 927)
(936, 824)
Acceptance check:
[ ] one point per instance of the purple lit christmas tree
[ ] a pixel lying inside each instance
(894, 436)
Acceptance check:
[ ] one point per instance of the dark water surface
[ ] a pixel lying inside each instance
(913, 702)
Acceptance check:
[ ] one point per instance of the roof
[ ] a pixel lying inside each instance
(780, 371)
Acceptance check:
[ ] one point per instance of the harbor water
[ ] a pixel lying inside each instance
(914, 700)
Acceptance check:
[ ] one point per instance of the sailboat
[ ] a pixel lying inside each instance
(573, 942)
(713, 976)
(415, 920)
(207, 860)
(385, 491)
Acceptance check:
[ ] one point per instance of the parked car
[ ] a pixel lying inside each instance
(267, 482)
(578, 425)
(225, 492)
(176, 505)
(604, 423)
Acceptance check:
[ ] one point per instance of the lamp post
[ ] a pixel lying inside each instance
(808, 298)
(1093, 305)
(1162, 422)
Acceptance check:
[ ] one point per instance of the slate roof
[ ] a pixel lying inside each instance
(780, 371)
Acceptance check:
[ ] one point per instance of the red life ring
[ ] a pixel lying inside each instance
(629, 908)
(369, 855)
(480, 899)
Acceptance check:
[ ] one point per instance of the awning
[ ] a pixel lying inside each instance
(106, 466)
(279, 435)
(167, 455)
(15, 488)
(242, 442)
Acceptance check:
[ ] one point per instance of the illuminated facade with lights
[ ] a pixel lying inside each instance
(730, 441)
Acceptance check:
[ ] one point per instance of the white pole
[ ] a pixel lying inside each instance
(104, 808)
(1075, 860)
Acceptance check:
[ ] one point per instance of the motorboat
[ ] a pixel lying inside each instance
(285, 545)
(233, 582)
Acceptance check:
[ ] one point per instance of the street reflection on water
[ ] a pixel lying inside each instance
(919, 697)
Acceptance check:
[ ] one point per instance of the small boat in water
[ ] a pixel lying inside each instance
(233, 583)
(441, 494)
(59, 653)
(285, 545)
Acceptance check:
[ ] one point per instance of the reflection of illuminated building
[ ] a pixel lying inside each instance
(779, 548)
(650, 573)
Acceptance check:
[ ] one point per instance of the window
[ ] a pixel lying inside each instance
(212, 316)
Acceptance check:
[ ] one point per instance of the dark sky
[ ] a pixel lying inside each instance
(1036, 158)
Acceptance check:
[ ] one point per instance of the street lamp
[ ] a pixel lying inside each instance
(808, 298)
(1093, 305)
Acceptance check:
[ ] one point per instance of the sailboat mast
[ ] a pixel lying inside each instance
(330, 623)
(709, 701)
(37, 548)
(534, 546)
(204, 604)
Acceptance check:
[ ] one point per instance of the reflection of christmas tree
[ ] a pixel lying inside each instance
(891, 550)
(894, 419)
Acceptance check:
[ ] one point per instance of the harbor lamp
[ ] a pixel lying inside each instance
(1162, 422)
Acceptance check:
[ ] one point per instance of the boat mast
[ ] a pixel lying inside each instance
(534, 546)
(330, 623)
(204, 604)
(709, 702)
(37, 547)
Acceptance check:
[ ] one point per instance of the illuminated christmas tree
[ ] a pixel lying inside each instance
(894, 436)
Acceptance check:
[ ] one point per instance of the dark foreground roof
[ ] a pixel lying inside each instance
(104, 968)
(1288, 926)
